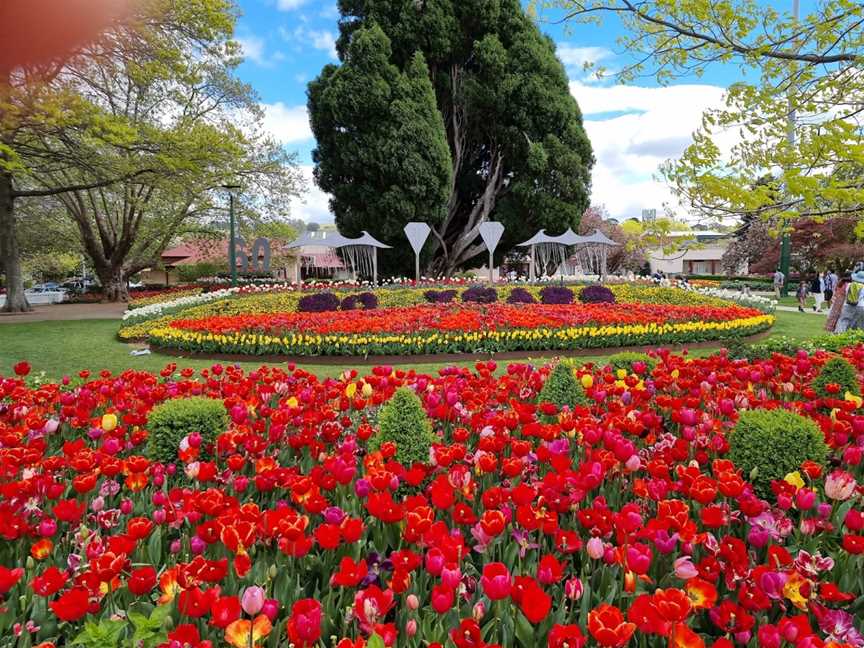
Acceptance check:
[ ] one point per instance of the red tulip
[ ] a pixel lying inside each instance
(304, 626)
(496, 581)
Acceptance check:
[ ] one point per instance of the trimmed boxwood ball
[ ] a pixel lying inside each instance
(596, 295)
(403, 421)
(170, 422)
(556, 295)
(318, 303)
(561, 388)
(769, 444)
(520, 296)
(480, 295)
(836, 378)
(626, 359)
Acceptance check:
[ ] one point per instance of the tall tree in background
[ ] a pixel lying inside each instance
(808, 68)
(382, 149)
(136, 130)
(517, 148)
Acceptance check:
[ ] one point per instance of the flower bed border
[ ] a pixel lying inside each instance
(437, 358)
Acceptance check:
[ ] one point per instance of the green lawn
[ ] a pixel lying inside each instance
(59, 348)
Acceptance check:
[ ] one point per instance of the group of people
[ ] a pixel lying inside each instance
(844, 296)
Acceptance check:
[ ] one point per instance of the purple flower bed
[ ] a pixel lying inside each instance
(521, 296)
(556, 295)
(318, 303)
(363, 301)
(440, 296)
(480, 295)
(596, 295)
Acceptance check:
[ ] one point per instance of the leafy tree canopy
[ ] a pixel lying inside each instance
(808, 66)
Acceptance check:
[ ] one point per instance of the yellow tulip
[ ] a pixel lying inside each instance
(109, 422)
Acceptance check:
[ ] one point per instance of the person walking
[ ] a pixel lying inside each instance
(802, 292)
(817, 287)
(831, 281)
(838, 300)
(779, 280)
(853, 305)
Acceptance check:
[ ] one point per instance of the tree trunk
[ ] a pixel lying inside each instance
(16, 301)
(114, 288)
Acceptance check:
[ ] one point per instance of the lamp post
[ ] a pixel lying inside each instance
(232, 236)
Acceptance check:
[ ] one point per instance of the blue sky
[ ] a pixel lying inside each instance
(633, 128)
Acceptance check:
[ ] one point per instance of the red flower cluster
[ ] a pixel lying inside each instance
(619, 522)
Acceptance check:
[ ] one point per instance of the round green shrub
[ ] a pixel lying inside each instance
(769, 444)
(169, 422)
(837, 371)
(403, 421)
(561, 388)
(626, 359)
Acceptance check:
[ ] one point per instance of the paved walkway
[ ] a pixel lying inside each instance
(61, 312)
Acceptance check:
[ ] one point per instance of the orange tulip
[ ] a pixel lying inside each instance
(608, 627)
(244, 633)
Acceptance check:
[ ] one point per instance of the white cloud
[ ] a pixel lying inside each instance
(300, 36)
(290, 5)
(313, 206)
(635, 129)
(288, 124)
(324, 41)
(253, 49)
(573, 56)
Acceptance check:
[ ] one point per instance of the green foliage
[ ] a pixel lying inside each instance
(146, 631)
(625, 360)
(403, 421)
(561, 388)
(769, 444)
(382, 146)
(171, 421)
(513, 131)
(806, 65)
(194, 271)
(837, 371)
(763, 350)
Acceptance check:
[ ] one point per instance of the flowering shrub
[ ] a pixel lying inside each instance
(520, 296)
(596, 295)
(458, 328)
(623, 521)
(318, 303)
(365, 300)
(556, 295)
(480, 295)
(440, 296)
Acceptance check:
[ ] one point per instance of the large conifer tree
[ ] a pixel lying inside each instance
(517, 149)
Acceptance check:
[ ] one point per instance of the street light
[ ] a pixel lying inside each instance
(232, 238)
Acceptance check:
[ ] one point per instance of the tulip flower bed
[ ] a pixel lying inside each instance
(251, 300)
(618, 521)
(459, 328)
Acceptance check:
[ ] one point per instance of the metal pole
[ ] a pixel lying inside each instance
(232, 243)
(374, 266)
(417, 268)
(491, 268)
(786, 241)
